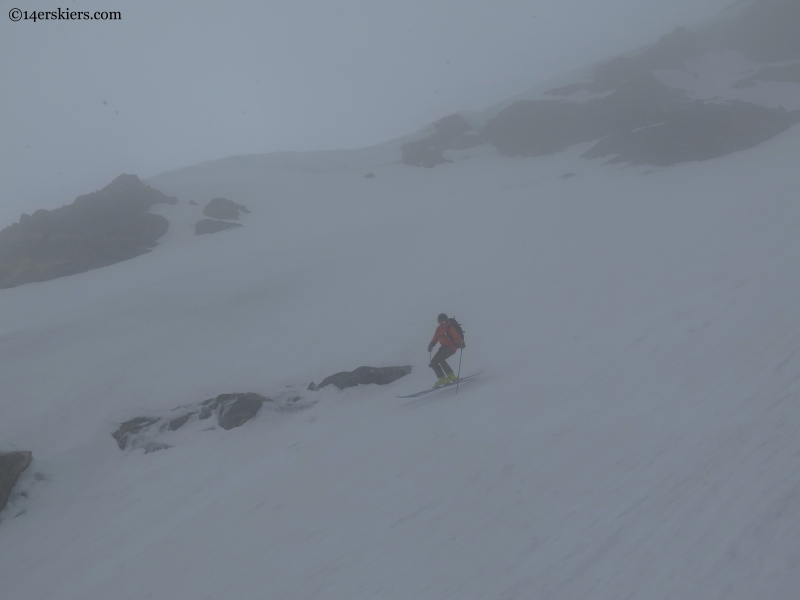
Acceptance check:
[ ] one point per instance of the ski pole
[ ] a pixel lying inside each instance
(458, 377)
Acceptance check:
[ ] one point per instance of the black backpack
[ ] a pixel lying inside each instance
(452, 322)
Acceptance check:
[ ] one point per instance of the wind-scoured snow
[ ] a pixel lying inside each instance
(634, 436)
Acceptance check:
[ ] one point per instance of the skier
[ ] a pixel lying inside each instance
(450, 340)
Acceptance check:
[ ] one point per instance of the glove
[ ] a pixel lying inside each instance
(430, 347)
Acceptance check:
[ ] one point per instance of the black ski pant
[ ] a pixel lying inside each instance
(439, 361)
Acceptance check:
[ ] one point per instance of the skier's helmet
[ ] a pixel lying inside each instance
(441, 317)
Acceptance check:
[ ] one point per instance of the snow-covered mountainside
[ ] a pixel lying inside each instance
(634, 434)
(694, 95)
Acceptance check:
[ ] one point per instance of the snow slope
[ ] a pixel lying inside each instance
(635, 435)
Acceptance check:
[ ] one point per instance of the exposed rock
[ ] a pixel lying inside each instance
(212, 226)
(129, 428)
(96, 230)
(192, 203)
(787, 74)
(155, 447)
(429, 152)
(369, 175)
(470, 139)
(232, 410)
(765, 31)
(363, 376)
(178, 422)
(423, 154)
(632, 115)
(222, 208)
(698, 131)
(641, 121)
(12, 464)
(568, 175)
(238, 409)
(208, 408)
(534, 128)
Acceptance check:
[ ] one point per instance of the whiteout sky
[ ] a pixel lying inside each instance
(175, 83)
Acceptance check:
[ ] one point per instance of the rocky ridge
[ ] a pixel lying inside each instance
(221, 211)
(152, 433)
(659, 106)
(222, 208)
(363, 376)
(157, 432)
(96, 230)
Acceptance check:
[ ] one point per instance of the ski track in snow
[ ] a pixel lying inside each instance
(635, 438)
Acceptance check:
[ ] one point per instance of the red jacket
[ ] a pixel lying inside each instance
(453, 340)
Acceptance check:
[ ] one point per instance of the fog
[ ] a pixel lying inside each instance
(177, 83)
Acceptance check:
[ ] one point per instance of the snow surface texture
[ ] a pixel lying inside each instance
(635, 435)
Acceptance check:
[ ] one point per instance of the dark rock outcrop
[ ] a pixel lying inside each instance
(96, 230)
(786, 74)
(238, 409)
(363, 376)
(636, 118)
(447, 135)
(642, 121)
(369, 175)
(12, 464)
(764, 31)
(192, 203)
(212, 226)
(231, 410)
(178, 422)
(132, 427)
(208, 407)
(538, 127)
(222, 208)
(155, 447)
(696, 131)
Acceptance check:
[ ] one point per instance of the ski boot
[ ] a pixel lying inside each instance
(440, 382)
(451, 378)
